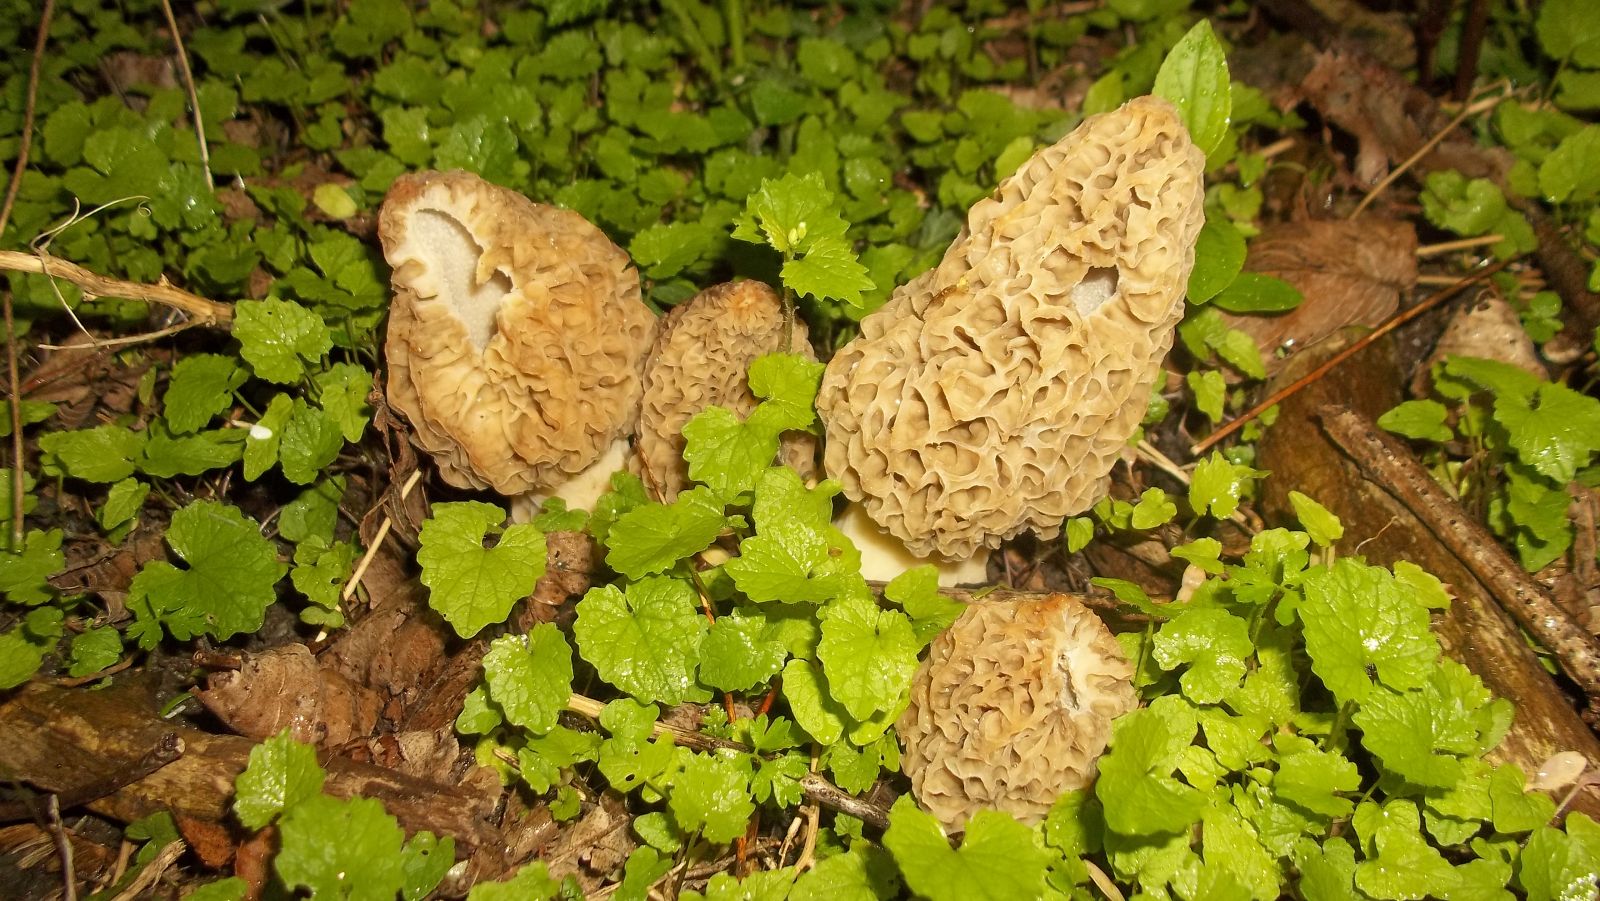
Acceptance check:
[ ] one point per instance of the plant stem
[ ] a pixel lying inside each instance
(733, 13)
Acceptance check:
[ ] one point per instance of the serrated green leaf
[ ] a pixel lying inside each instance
(470, 585)
(998, 858)
(869, 654)
(646, 641)
(1357, 616)
(342, 391)
(651, 538)
(530, 676)
(741, 651)
(1213, 644)
(341, 848)
(796, 554)
(230, 579)
(202, 386)
(711, 794)
(278, 337)
(280, 774)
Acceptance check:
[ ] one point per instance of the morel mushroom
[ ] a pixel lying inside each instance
(1013, 707)
(993, 394)
(516, 337)
(702, 359)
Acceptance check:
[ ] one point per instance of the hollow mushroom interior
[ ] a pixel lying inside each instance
(444, 239)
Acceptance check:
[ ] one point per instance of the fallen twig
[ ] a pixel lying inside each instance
(194, 97)
(1466, 113)
(1387, 462)
(1393, 323)
(377, 542)
(69, 874)
(205, 312)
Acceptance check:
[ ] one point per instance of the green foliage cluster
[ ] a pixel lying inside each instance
(1526, 440)
(1302, 731)
(1555, 150)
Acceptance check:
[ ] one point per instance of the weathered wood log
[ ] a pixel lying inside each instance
(1475, 630)
(58, 741)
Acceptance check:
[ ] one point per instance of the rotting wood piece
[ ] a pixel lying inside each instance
(1474, 631)
(1384, 460)
(58, 740)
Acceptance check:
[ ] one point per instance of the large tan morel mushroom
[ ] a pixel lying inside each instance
(1013, 707)
(993, 394)
(702, 359)
(516, 336)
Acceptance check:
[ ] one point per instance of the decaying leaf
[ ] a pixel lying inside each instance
(1486, 328)
(1350, 272)
(285, 688)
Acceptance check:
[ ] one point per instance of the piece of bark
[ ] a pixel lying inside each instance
(1350, 273)
(1474, 630)
(57, 740)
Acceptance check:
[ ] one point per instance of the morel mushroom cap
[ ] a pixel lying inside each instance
(702, 359)
(994, 393)
(1013, 707)
(516, 336)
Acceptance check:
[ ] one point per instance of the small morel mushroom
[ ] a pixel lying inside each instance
(1013, 707)
(702, 359)
(516, 337)
(993, 393)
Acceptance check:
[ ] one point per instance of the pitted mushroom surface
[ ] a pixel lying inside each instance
(993, 394)
(702, 359)
(1013, 707)
(516, 336)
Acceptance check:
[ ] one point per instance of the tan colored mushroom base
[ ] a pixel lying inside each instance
(580, 491)
(1013, 707)
(884, 556)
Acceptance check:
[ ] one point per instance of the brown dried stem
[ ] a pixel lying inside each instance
(1384, 460)
(1394, 322)
(202, 311)
(194, 96)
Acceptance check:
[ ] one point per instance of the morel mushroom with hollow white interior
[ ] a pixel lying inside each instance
(993, 394)
(702, 359)
(1013, 707)
(516, 337)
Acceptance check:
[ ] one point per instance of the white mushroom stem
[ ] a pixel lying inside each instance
(581, 491)
(883, 556)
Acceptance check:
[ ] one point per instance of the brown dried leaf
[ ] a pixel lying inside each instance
(1350, 272)
(285, 688)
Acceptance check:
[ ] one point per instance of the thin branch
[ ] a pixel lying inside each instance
(69, 874)
(1386, 462)
(30, 108)
(1428, 250)
(1465, 114)
(377, 541)
(194, 97)
(205, 312)
(1394, 322)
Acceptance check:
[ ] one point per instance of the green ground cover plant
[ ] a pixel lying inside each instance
(1302, 734)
